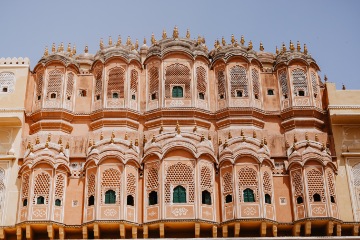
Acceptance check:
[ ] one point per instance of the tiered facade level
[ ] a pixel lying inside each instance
(174, 139)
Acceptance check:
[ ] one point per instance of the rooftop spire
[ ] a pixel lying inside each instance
(232, 39)
(298, 47)
(305, 49)
(223, 41)
(86, 50)
(118, 43)
(187, 33)
(292, 48)
(69, 48)
(153, 41)
(283, 47)
(164, 36)
(261, 46)
(110, 41)
(74, 50)
(46, 52)
(144, 41)
(242, 40)
(176, 32)
(128, 41)
(250, 46)
(53, 48)
(101, 43)
(136, 44)
(277, 50)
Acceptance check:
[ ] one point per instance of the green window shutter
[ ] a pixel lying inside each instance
(179, 195)
(177, 92)
(249, 195)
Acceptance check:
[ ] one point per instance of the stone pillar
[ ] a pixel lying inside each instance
(29, 232)
(145, 231)
(274, 230)
(2, 233)
(50, 231)
(85, 232)
(61, 233)
(214, 231)
(329, 228)
(296, 230)
(96, 231)
(355, 230)
(197, 230)
(307, 228)
(134, 232)
(225, 231)
(122, 231)
(18, 233)
(263, 229)
(338, 229)
(162, 230)
(237, 230)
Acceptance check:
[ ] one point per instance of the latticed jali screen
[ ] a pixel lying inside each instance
(180, 174)
(152, 179)
(315, 183)
(131, 185)
(299, 81)
(314, 83)
(283, 83)
(154, 82)
(201, 80)
(69, 86)
(116, 82)
(98, 83)
(54, 84)
(238, 80)
(111, 180)
(256, 83)
(25, 186)
(42, 187)
(91, 185)
(297, 184)
(59, 186)
(206, 179)
(331, 184)
(267, 183)
(134, 82)
(221, 83)
(177, 74)
(227, 183)
(247, 178)
(7, 80)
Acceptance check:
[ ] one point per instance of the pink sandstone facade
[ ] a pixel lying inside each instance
(173, 140)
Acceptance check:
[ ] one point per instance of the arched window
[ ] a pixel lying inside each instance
(332, 199)
(177, 92)
(154, 83)
(179, 195)
(110, 197)
(116, 82)
(221, 84)
(201, 81)
(25, 202)
(201, 96)
(98, 83)
(40, 200)
(134, 84)
(115, 95)
(238, 80)
(54, 84)
(91, 200)
(283, 84)
(317, 197)
(7, 82)
(206, 197)
(130, 200)
(267, 198)
(57, 202)
(178, 74)
(228, 198)
(299, 82)
(299, 200)
(153, 198)
(249, 195)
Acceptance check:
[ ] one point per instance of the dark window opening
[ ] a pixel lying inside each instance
(270, 92)
(82, 93)
(153, 198)
(40, 200)
(5, 89)
(179, 195)
(57, 202)
(285, 96)
(38, 97)
(153, 96)
(53, 95)
(201, 96)
(25, 202)
(91, 201)
(316, 197)
(249, 195)
(256, 96)
(206, 197)
(267, 198)
(239, 93)
(68, 97)
(98, 97)
(110, 197)
(301, 93)
(222, 96)
(315, 95)
(299, 200)
(228, 198)
(332, 199)
(133, 97)
(130, 200)
(115, 95)
(177, 92)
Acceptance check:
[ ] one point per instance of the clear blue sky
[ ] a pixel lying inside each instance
(331, 29)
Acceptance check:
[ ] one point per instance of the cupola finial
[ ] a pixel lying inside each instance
(261, 46)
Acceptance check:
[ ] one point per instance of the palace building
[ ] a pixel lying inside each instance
(171, 139)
